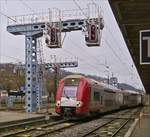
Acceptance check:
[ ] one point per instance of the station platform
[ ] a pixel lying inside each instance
(142, 128)
(9, 116)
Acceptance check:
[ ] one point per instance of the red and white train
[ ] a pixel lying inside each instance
(80, 96)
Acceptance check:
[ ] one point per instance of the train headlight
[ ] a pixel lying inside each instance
(79, 103)
(58, 103)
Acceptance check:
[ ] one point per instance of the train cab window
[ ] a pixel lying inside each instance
(69, 91)
(96, 96)
(72, 82)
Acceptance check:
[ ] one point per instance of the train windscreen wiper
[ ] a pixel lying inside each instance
(66, 95)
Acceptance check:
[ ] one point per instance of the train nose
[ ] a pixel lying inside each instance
(65, 102)
(69, 111)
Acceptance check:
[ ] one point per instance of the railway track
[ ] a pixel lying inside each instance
(54, 128)
(25, 124)
(14, 124)
(112, 127)
(28, 132)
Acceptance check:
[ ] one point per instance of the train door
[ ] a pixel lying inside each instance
(125, 99)
(109, 99)
(91, 98)
(95, 99)
(119, 100)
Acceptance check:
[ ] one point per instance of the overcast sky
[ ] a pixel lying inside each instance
(112, 51)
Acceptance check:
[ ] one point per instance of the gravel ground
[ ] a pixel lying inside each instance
(80, 129)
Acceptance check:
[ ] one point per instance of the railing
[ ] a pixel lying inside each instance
(48, 17)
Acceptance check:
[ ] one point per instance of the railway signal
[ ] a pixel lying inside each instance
(93, 27)
(53, 37)
(93, 32)
(92, 36)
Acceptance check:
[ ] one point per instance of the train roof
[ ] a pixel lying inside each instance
(94, 82)
(102, 84)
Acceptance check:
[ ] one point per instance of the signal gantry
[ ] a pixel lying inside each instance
(51, 25)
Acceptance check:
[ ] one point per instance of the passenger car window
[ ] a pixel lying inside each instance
(96, 96)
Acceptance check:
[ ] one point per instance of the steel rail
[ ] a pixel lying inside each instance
(93, 130)
(103, 125)
(125, 123)
(116, 132)
(73, 124)
(21, 124)
(48, 132)
(33, 128)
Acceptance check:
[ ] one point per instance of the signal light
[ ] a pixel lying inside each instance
(53, 35)
(92, 37)
(93, 32)
(46, 40)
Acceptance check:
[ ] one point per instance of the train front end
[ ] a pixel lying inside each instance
(72, 96)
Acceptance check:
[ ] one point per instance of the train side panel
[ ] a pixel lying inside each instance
(109, 100)
(83, 95)
(96, 99)
(58, 97)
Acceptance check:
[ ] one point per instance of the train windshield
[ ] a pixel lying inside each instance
(70, 91)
